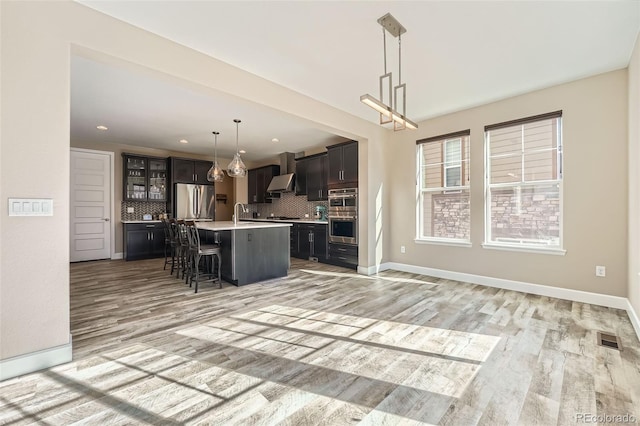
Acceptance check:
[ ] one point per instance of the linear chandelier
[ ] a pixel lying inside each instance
(390, 113)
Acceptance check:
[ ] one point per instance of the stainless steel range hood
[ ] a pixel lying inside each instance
(284, 182)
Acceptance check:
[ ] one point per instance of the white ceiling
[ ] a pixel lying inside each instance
(141, 110)
(455, 55)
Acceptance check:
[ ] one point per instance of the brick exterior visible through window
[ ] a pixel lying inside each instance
(443, 200)
(524, 183)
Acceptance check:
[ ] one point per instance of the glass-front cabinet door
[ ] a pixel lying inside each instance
(157, 180)
(135, 175)
(145, 178)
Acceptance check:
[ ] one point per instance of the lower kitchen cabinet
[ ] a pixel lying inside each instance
(345, 255)
(143, 240)
(309, 240)
(293, 240)
(252, 255)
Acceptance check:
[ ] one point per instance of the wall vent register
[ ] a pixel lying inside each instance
(30, 207)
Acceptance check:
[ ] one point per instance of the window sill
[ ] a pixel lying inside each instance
(525, 249)
(455, 243)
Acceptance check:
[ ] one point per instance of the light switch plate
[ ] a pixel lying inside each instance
(30, 207)
(129, 209)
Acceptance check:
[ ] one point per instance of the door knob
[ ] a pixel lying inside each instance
(106, 219)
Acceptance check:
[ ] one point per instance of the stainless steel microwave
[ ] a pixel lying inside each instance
(343, 199)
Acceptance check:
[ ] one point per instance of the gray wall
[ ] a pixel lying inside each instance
(595, 189)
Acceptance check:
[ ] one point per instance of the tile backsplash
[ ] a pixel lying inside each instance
(288, 205)
(141, 208)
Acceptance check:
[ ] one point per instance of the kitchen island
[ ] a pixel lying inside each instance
(251, 251)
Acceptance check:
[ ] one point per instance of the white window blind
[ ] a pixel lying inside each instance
(443, 206)
(523, 197)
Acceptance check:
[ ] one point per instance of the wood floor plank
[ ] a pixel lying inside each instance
(325, 346)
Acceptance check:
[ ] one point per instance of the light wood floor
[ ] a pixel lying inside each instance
(325, 346)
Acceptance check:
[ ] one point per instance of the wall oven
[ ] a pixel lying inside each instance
(343, 216)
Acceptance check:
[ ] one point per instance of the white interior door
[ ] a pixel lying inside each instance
(90, 211)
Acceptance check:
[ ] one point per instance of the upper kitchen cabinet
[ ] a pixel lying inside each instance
(258, 181)
(311, 177)
(317, 167)
(145, 178)
(343, 165)
(301, 176)
(184, 170)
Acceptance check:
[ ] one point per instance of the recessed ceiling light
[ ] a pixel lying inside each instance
(275, 140)
(101, 127)
(183, 141)
(242, 151)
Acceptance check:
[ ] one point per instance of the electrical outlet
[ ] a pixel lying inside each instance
(403, 249)
(306, 215)
(129, 209)
(601, 271)
(271, 214)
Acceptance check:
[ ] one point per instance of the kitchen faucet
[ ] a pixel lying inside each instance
(235, 213)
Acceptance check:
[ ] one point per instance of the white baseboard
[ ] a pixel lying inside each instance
(633, 316)
(539, 289)
(371, 270)
(117, 256)
(34, 361)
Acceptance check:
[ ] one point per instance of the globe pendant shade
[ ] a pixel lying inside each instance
(215, 173)
(236, 167)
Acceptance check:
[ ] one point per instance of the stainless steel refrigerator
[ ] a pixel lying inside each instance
(194, 202)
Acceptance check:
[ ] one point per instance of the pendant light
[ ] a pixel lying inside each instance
(391, 113)
(236, 167)
(215, 173)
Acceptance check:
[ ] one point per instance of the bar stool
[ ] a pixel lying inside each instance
(198, 251)
(175, 242)
(182, 248)
(169, 245)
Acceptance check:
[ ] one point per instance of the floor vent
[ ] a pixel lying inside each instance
(608, 340)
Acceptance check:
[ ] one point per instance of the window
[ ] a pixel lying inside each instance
(452, 162)
(524, 183)
(443, 208)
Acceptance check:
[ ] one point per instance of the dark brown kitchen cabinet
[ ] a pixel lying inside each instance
(301, 176)
(185, 170)
(343, 165)
(258, 181)
(312, 241)
(143, 240)
(294, 248)
(345, 255)
(252, 183)
(144, 178)
(317, 189)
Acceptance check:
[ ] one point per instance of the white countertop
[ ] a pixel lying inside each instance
(318, 222)
(141, 221)
(158, 221)
(230, 226)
